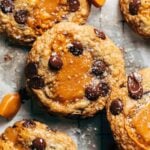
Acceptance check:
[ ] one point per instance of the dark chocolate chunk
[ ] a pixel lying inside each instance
(76, 48)
(36, 82)
(7, 6)
(135, 88)
(38, 144)
(29, 124)
(134, 7)
(116, 107)
(92, 92)
(74, 5)
(103, 89)
(100, 34)
(21, 16)
(31, 69)
(55, 62)
(99, 67)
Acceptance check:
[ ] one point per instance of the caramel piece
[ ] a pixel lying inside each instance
(142, 123)
(73, 77)
(45, 14)
(11, 134)
(98, 3)
(48, 5)
(10, 105)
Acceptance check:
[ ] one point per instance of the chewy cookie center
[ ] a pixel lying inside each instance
(73, 77)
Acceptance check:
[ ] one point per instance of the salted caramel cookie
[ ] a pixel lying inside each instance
(72, 68)
(33, 135)
(137, 15)
(128, 112)
(24, 20)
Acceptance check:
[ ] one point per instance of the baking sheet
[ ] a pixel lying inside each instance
(89, 134)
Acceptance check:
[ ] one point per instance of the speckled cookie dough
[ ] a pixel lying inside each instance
(137, 15)
(128, 112)
(24, 20)
(72, 68)
(33, 135)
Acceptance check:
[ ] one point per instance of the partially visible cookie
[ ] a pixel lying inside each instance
(137, 15)
(33, 135)
(128, 112)
(72, 69)
(24, 20)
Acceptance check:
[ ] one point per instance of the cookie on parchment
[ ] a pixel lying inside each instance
(33, 135)
(128, 112)
(24, 20)
(72, 69)
(137, 15)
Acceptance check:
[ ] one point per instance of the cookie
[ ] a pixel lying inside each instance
(25, 20)
(72, 68)
(33, 135)
(137, 15)
(128, 112)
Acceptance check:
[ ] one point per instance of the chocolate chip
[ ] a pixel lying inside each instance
(135, 88)
(76, 48)
(134, 7)
(116, 107)
(7, 6)
(103, 89)
(31, 69)
(55, 62)
(92, 92)
(36, 82)
(74, 5)
(38, 144)
(29, 124)
(100, 34)
(99, 67)
(21, 16)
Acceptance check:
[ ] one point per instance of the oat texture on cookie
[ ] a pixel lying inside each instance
(128, 112)
(72, 68)
(25, 20)
(31, 134)
(137, 15)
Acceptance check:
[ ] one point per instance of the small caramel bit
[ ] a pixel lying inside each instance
(142, 123)
(10, 105)
(11, 134)
(98, 3)
(73, 77)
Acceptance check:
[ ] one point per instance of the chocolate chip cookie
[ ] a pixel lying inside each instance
(33, 135)
(24, 20)
(137, 15)
(72, 69)
(128, 112)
